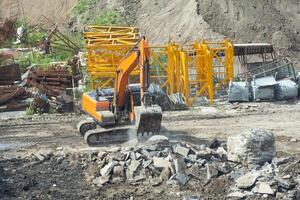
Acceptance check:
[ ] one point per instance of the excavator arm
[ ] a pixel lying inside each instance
(147, 117)
(138, 56)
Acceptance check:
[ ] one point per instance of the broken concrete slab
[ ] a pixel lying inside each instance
(165, 174)
(107, 169)
(161, 163)
(156, 181)
(182, 178)
(212, 172)
(134, 165)
(197, 171)
(237, 195)
(118, 171)
(265, 188)
(247, 180)
(287, 184)
(180, 165)
(254, 146)
(100, 181)
(181, 150)
(157, 139)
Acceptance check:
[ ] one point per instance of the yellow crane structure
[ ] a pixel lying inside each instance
(198, 69)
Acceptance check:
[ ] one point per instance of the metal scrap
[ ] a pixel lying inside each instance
(9, 74)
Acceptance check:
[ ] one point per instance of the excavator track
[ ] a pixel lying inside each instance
(85, 125)
(116, 135)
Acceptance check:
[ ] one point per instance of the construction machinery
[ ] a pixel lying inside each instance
(114, 110)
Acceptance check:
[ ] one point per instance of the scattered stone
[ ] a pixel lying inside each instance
(145, 153)
(222, 152)
(246, 180)
(182, 178)
(40, 157)
(212, 172)
(102, 155)
(93, 170)
(215, 143)
(180, 165)
(187, 197)
(182, 150)
(265, 188)
(100, 181)
(161, 163)
(118, 156)
(165, 174)
(138, 155)
(280, 161)
(193, 156)
(254, 146)
(237, 195)
(115, 149)
(156, 181)
(134, 166)
(203, 154)
(286, 177)
(287, 184)
(118, 171)
(147, 163)
(107, 169)
(158, 139)
(280, 195)
(196, 171)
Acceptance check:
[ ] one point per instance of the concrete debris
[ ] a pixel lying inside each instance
(247, 180)
(253, 146)
(236, 195)
(158, 139)
(100, 181)
(182, 150)
(286, 183)
(156, 181)
(215, 143)
(182, 178)
(182, 164)
(161, 163)
(107, 169)
(212, 172)
(265, 188)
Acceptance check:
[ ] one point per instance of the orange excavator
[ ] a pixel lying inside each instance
(113, 111)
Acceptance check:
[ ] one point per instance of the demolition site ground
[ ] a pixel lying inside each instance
(44, 157)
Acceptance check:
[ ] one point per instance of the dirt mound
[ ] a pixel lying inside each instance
(56, 10)
(272, 21)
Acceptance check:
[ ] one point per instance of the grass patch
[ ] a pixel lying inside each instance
(82, 6)
(108, 17)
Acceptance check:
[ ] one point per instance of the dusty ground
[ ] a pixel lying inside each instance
(56, 136)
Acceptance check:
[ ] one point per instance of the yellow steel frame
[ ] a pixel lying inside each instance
(106, 46)
(196, 70)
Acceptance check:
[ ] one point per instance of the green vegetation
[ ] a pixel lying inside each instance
(29, 111)
(82, 6)
(108, 17)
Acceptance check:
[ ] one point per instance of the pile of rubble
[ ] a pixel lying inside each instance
(247, 160)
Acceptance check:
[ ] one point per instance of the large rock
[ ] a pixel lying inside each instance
(247, 180)
(253, 146)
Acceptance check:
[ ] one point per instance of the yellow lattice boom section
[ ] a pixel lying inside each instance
(106, 46)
